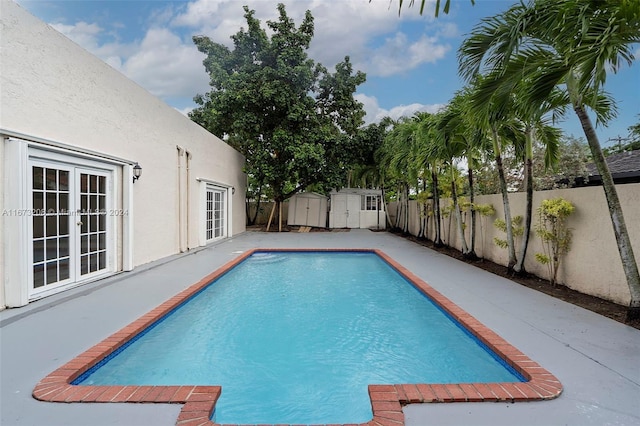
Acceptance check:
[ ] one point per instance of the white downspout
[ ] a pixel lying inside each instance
(187, 196)
(180, 207)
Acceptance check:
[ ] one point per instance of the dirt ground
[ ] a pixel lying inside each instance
(592, 303)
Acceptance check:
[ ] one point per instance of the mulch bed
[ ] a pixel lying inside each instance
(592, 303)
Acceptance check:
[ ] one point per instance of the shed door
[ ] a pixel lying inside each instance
(346, 211)
(301, 211)
(353, 211)
(314, 212)
(339, 209)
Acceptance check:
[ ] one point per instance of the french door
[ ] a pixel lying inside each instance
(215, 223)
(69, 228)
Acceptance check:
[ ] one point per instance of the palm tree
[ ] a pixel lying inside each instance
(497, 117)
(536, 120)
(450, 146)
(426, 137)
(459, 121)
(445, 5)
(572, 44)
(397, 156)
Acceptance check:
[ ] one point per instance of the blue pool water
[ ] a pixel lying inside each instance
(296, 337)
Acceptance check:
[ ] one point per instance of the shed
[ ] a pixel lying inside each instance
(308, 209)
(357, 208)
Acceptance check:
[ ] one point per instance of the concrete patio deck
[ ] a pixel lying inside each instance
(596, 359)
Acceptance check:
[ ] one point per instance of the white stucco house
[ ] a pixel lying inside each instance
(72, 130)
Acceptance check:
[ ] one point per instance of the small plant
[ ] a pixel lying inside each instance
(556, 236)
(516, 228)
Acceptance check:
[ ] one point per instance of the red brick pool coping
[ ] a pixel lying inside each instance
(386, 400)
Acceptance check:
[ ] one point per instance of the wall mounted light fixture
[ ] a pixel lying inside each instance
(137, 172)
(233, 190)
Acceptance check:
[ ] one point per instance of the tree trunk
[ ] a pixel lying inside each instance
(472, 231)
(386, 210)
(252, 220)
(436, 202)
(426, 219)
(505, 202)
(399, 207)
(273, 209)
(456, 211)
(615, 210)
(528, 212)
(420, 209)
(405, 225)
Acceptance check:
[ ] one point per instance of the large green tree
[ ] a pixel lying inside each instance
(572, 44)
(292, 119)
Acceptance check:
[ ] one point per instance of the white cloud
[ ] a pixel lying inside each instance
(398, 54)
(166, 66)
(342, 27)
(184, 111)
(161, 62)
(83, 33)
(167, 63)
(375, 113)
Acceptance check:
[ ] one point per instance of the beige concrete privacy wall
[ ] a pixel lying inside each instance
(265, 211)
(593, 264)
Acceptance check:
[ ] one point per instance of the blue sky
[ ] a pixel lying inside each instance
(410, 60)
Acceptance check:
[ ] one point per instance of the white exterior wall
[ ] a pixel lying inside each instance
(53, 90)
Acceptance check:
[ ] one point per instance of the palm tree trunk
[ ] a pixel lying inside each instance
(426, 220)
(472, 231)
(505, 202)
(420, 228)
(399, 207)
(456, 211)
(436, 201)
(405, 221)
(422, 212)
(528, 212)
(386, 209)
(615, 210)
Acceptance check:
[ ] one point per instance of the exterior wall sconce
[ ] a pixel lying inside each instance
(137, 172)
(233, 190)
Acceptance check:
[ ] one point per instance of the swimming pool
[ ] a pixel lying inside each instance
(385, 400)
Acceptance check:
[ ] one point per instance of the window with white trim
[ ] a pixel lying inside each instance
(371, 202)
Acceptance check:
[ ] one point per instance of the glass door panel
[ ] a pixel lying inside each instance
(68, 224)
(92, 226)
(215, 214)
(219, 214)
(49, 201)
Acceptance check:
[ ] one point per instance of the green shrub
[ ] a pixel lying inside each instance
(554, 233)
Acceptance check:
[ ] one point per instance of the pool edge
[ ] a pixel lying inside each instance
(387, 400)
